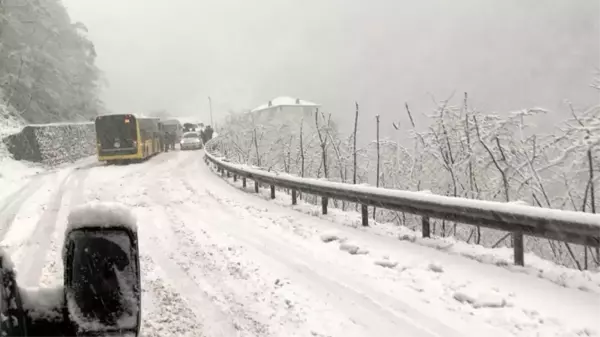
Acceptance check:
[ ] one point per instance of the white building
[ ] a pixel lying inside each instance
(284, 109)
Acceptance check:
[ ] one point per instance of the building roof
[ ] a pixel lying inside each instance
(285, 101)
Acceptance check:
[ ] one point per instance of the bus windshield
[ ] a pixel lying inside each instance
(116, 133)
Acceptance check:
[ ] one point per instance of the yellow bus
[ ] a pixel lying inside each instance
(126, 138)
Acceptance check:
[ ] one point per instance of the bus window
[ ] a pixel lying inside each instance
(117, 134)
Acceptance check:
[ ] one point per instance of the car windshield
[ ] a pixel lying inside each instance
(190, 135)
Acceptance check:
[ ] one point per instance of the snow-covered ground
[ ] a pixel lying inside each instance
(588, 280)
(220, 262)
(13, 174)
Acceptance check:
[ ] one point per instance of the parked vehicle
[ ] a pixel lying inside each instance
(126, 137)
(191, 141)
(207, 134)
(175, 129)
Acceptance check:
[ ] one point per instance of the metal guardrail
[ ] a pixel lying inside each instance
(569, 226)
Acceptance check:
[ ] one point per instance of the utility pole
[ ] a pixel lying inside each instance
(211, 116)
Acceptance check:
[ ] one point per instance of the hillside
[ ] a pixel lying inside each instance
(48, 70)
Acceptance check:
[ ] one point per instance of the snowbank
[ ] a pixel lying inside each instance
(329, 237)
(583, 280)
(386, 263)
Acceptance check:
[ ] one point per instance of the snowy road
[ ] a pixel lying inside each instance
(220, 262)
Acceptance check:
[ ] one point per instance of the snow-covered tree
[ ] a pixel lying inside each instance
(462, 153)
(48, 70)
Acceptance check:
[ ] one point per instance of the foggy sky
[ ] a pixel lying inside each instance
(508, 54)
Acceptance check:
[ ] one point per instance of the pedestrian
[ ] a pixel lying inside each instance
(173, 141)
(209, 132)
(166, 142)
(161, 140)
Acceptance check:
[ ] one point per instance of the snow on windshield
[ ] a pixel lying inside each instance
(101, 214)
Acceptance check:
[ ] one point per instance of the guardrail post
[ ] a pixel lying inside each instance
(235, 177)
(222, 173)
(244, 182)
(228, 174)
(324, 201)
(426, 228)
(294, 197)
(272, 191)
(256, 186)
(364, 210)
(518, 248)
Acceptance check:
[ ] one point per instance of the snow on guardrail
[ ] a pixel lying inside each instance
(568, 226)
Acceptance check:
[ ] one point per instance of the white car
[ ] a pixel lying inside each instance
(191, 141)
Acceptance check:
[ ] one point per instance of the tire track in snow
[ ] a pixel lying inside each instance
(78, 196)
(262, 300)
(378, 312)
(217, 323)
(126, 176)
(10, 209)
(166, 309)
(369, 316)
(162, 311)
(207, 316)
(52, 270)
(210, 269)
(172, 318)
(41, 239)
